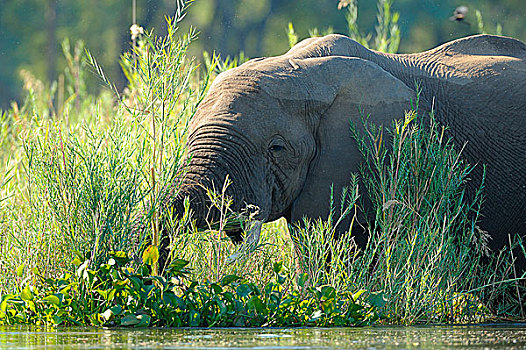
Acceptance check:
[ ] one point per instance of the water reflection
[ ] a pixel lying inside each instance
(453, 337)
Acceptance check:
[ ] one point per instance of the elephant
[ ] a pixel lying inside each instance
(278, 127)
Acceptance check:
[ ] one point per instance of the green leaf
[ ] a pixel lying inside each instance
(103, 293)
(57, 320)
(216, 288)
(377, 299)
(328, 306)
(119, 254)
(356, 295)
(111, 312)
(20, 270)
(161, 281)
(278, 266)
(281, 279)
(120, 284)
(150, 255)
(221, 305)
(120, 257)
(243, 290)
(195, 318)
(177, 265)
(31, 305)
(76, 262)
(3, 308)
(129, 320)
(302, 279)
(256, 304)
(144, 321)
(225, 281)
(26, 294)
(52, 299)
(328, 292)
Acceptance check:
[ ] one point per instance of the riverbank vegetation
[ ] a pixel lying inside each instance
(83, 178)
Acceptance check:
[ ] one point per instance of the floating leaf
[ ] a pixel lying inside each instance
(130, 320)
(377, 299)
(195, 318)
(144, 321)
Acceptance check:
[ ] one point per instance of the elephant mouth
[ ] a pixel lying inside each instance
(238, 225)
(238, 232)
(250, 241)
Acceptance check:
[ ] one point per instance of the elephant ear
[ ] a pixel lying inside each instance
(331, 92)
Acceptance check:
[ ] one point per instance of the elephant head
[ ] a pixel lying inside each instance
(278, 128)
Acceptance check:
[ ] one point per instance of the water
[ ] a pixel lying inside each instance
(452, 337)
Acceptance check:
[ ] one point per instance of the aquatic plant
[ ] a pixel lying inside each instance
(115, 294)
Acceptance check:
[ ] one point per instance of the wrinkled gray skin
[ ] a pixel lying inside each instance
(279, 126)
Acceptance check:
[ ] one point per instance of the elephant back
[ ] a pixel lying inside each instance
(484, 45)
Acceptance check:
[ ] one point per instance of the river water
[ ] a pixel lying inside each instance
(510, 336)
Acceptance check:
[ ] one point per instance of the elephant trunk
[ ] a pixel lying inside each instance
(200, 205)
(215, 174)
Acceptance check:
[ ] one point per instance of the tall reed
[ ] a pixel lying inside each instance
(424, 248)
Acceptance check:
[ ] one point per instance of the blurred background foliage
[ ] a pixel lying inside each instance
(32, 31)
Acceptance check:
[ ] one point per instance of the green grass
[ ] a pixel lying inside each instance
(83, 177)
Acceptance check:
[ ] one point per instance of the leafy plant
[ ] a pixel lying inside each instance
(387, 32)
(115, 294)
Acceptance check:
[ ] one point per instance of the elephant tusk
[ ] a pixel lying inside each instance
(251, 241)
(254, 233)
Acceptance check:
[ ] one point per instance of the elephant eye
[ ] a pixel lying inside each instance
(276, 148)
(277, 145)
